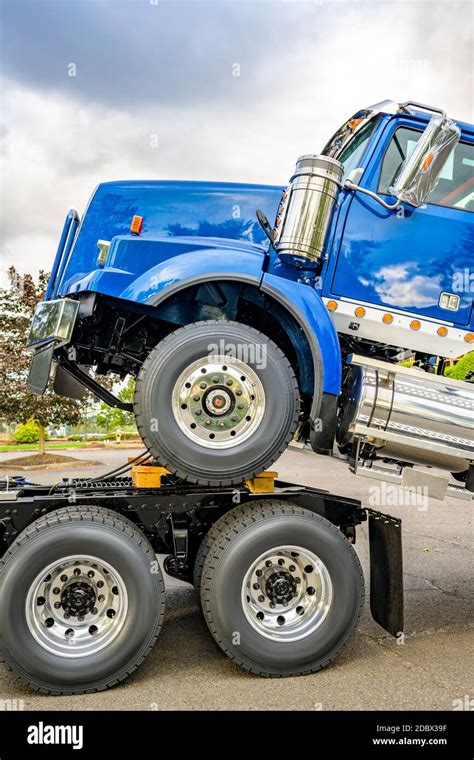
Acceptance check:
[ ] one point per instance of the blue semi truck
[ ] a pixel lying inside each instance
(244, 334)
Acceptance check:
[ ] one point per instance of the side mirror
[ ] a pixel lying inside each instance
(419, 173)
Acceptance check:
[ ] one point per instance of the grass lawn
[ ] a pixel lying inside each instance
(49, 445)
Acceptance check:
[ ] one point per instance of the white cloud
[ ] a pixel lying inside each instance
(342, 56)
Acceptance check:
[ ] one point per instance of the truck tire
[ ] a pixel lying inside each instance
(281, 589)
(209, 416)
(201, 557)
(80, 603)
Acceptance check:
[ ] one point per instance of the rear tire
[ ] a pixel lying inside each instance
(80, 603)
(216, 402)
(294, 616)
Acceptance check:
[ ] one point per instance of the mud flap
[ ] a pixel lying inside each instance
(40, 369)
(386, 571)
(66, 385)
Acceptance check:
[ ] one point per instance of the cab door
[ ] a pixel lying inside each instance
(411, 258)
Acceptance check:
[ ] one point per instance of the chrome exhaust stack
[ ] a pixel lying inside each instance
(305, 211)
(409, 415)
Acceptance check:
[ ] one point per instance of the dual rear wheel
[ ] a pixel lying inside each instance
(81, 601)
(82, 596)
(281, 588)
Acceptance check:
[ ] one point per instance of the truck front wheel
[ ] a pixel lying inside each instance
(216, 402)
(281, 588)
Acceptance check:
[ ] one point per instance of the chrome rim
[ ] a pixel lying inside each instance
(287, 593)
(218, 402)
(76, 606)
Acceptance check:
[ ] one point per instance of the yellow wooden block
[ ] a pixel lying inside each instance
(264, 482)
(148, 475)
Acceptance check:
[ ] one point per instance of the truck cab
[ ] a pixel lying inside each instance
(243, 335)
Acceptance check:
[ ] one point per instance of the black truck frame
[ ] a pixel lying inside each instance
(177, 518)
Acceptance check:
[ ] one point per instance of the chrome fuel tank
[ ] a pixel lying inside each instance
(409, 415)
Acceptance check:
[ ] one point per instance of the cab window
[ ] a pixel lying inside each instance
(455, 187)
(352, 154)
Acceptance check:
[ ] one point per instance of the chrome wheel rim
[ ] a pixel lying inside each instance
(287, 593)
(76, 606)
(218, 402)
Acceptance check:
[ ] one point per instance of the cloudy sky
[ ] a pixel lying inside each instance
(235, 90)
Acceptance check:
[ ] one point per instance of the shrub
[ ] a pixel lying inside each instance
(28, 432)
(459, 371)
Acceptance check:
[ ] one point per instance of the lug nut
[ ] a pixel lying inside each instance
(56, 590)
(297, 580)
(234, 418)
(198, 411)
(57, 605)
(208, 422)
(281, 561)
(196, 398)
(256, 586)
(268, 563)
(261, 598)
(221, 424)
(100, 584)
(238, 392)
(203, 386)
(292, 568)
(215, 379)
(94, 610)
(229, 382)
(258, 573)
(240, 406)
(63, 578)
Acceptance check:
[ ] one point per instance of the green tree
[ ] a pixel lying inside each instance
(460, 370)
(17, 404)
(111, 418)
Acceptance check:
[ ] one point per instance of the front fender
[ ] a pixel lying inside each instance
(147, 270)
(305, 305)
(178, 273)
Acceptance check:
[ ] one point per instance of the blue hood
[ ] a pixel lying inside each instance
(191, 214)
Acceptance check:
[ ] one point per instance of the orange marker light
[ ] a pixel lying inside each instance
(360, 311)
(415, 325)
(469, 337)
(332, 305)
(427, 162)
(387, 318)
(136, 225)
(442, 331)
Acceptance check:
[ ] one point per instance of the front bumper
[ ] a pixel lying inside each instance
(52, 326)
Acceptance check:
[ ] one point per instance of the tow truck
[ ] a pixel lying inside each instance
(332, 327)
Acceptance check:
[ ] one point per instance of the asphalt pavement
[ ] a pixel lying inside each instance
(430, 668)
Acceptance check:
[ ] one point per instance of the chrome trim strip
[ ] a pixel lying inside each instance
(399, 333)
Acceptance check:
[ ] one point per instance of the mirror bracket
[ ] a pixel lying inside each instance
(349, 185)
